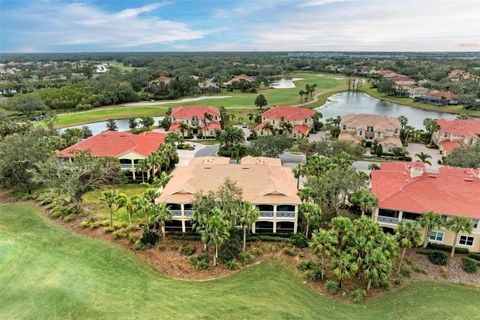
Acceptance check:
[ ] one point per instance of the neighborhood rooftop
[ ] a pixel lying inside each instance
(288, 113)
(263, 180)
(183, 112)
(409, 187)
(115, 144)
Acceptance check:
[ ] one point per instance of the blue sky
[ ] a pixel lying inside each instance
(263, 25)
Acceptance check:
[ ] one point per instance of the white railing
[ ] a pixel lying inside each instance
(266, 214)
(414, 221)
(285, 214)
(389, 220)
(126, 165)
(187, 212)
(177, 213)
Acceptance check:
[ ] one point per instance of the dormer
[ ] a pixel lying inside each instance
(416, 172)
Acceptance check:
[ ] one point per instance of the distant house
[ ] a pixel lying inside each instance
(417, 92)
(125, 146)
(158, 80)
(457, 75)
(101, 68)
(439, 98)
(370, 128)
(456, 133)
(300, 119)
(264, 182)
(238, 78)
(188, 119)
(208, 85)
(407, 190)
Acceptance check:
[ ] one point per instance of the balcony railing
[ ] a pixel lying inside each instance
(266, 214)
(176, 213)
(389, 220)
(285, 214)
(187, 212)
(126, 165)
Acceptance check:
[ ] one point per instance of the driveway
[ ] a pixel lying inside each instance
(207, 151)
(414, 148)
(186, 155)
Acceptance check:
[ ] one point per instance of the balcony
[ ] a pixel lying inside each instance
(286, 214)
(187, 212)
(126, 166)
(266, 214)
(387, 220)
(176, 213)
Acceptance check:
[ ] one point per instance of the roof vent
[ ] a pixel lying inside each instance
(245, 168)
(468, 179)
(432, 176)
(208, 168)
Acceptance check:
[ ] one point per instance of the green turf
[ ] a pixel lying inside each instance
(240, 104)
(47, 272)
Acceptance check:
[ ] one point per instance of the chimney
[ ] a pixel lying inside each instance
(416, 172)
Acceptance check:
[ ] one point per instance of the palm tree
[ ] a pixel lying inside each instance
(301, 93)
(269, 127)
(364, 199)
(344, 267)
(251, 116)
(299, 172)
(323, 244)
(218, 229)
(430, 220)
(457, 225)
(312, 213)
(110, 198)
(408, 235)
(143, 166)
(146, 204)
(248, 215)
(306, 194)
(286, 127)
(183, 128)
(376, 266)
(423, 157)
(160, 214)
(431, 125)
(124, 201)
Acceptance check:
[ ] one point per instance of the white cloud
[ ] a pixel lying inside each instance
(313, 3)
(84, 24)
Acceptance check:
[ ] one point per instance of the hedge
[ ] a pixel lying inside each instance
(475, 256)
(469, 265)
(444, 247)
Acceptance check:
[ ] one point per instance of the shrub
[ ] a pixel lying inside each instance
(331, 286)
(306, 265)
(444, 272)
(262, 237)
(438, 258)
(358, 295)
(290, 251)
(299, 240)
(132, 237)
(108, 230)
(397, 282)
(149, 238)
(201, 262)
(419, 269)
(232, 248)
(187, 250)
(475, 256)
(314, 274)
(121, 233)
(246, 258)
(256, 251)
(422, 251)
(231, 265)
(84, 224)
(406, 271)
(447, 248)
(469, 265)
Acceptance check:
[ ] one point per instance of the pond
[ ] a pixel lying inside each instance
(284, 83)
(98, 127)
(356, 102)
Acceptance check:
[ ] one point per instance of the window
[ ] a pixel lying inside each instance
(466, 240)
(475, 223)
(436, 236)
(445, 135)
(306, 121)
(361, 133)
(444, 217)
(344, 127)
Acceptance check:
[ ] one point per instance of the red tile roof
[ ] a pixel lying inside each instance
(448, 145)
(303, 129)
(444, 95)
(188, 112)
(288, 113)
(114, 144)
(451, 191)
(260, 126)
(212, 125)
(466, 128)
(174, 126)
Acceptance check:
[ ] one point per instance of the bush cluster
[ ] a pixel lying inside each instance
(438, 258)
(469, 265)
(306, 265)
(313, 274)
(406, 271)
(299, 240)
(358, 295)
(231, 265)
(292, 251)
(475, 256)
(149, 238)
(201, 262)
(331, 286)
(232, 248)
(187, 250)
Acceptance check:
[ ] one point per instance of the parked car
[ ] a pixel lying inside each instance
(244, 125)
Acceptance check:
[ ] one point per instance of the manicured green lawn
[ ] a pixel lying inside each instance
(47, 272)
(240, 104)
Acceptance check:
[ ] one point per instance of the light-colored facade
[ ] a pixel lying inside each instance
(456, 133)
(300, 119)
(185, 119)
(359, 128)
(264, 182)
(407, 190)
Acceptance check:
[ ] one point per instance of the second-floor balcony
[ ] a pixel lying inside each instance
(176, 213)
(266, 214)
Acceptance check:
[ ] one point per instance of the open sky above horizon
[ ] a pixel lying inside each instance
(231, 25)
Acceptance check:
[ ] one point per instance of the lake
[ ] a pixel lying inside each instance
(356, 102)
(98, 127)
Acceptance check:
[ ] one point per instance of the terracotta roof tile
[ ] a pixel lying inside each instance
(187, 112)
(288, 113)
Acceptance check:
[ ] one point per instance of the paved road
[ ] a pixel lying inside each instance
(208, 151)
